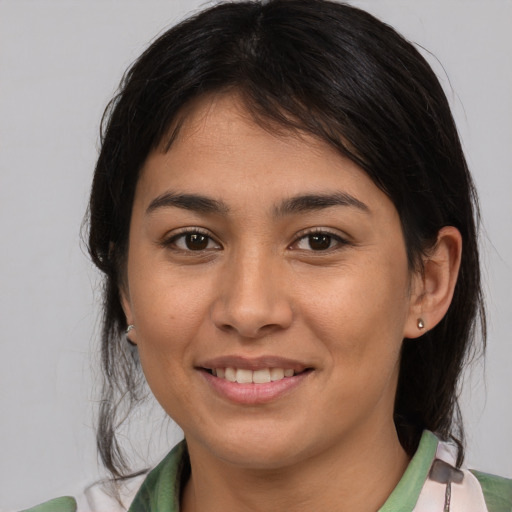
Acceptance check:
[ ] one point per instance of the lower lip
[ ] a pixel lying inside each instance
(251, 394)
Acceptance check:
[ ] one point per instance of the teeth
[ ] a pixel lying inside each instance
(276, 374)
(244, 376)
(261, 376)
(230, 374)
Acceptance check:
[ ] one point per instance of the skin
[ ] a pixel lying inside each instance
(259, 288)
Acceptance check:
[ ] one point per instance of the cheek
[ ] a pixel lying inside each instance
(359, 322)
(360, 312)
(168, 315)
(167, 304)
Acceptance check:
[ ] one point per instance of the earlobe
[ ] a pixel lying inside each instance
(130, 331)
(433, 287)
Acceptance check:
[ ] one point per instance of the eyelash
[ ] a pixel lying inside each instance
(171, 241)
(320, 232)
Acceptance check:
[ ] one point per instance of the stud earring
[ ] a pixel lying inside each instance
(128, 329)
(421, 324)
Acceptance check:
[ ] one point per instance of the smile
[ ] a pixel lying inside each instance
(245, 376)
(252, 381)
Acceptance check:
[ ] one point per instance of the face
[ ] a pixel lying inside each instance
(268, 282)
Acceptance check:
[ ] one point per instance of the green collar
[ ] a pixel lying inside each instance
(160, 491)
(406, 493)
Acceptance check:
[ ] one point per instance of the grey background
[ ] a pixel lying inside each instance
(60, 62)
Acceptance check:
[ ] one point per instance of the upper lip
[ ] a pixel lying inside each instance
(254, 363)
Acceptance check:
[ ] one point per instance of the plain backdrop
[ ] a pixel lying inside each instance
(60, 62)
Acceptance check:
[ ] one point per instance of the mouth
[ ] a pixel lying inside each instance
(260, 376)
(254, 381)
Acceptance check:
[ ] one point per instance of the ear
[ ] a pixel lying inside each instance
(432, 287)
(124, 296)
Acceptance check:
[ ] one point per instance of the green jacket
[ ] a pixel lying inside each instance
(421, 489)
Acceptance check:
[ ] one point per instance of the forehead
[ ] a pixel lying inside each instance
(219, 150)
(221, 120)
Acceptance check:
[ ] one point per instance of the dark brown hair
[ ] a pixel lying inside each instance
(338, 73)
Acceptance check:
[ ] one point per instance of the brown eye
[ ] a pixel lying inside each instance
(319, 242)
(193, 241)
(196, 241)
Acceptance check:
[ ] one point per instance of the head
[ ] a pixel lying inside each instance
(330, 73)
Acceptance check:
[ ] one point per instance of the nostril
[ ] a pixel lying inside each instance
(251, 311)
(252, 332)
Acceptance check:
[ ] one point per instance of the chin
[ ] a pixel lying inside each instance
(253, 448)
(259, 457)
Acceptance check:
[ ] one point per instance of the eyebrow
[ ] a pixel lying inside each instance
(298, 204)
(312, 202)
(193, 202)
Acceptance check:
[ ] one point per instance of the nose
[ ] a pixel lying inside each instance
(253, 300)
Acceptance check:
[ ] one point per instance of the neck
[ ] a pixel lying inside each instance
(357, 475)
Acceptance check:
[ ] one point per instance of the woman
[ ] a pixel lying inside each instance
(286, 224)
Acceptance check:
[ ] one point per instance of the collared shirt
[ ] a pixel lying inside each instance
(431, 483)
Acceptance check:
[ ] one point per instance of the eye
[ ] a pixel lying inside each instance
(193, 241)
(319, 241)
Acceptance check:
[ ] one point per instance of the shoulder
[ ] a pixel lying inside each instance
(494, 491)
(64, 504)
(99, 497)
(497, 491)
(448, 487)
(159, 485)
